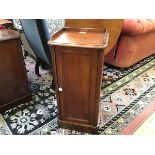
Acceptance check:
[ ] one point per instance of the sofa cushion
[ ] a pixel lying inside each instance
(138, 26)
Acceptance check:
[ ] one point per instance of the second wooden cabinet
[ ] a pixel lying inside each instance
(14, 87)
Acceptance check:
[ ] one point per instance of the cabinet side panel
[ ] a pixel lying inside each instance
(13, 79)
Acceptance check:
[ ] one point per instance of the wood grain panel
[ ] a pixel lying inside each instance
(75, 75)
(14, 87)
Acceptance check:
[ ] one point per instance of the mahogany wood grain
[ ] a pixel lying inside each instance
(14, 88)
(113, 26)
(77, 37)
(78, 72)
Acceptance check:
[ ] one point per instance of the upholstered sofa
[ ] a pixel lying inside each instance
(136, 42)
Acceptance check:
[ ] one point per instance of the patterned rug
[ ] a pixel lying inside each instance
(131, 91)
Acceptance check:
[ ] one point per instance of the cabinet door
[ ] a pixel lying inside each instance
(78, 81)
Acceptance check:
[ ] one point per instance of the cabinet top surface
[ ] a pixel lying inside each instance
(80, 37)
(6, 34)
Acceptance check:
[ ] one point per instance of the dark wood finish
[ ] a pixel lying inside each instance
(113, 27)
(14, 88)
(78, 63)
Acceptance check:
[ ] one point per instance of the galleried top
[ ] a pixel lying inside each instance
(80, 37)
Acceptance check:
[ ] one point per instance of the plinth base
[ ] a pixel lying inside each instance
(16, 102)
(78, 127)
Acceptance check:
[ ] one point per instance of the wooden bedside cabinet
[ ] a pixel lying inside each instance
(14, 88)
(78, 58)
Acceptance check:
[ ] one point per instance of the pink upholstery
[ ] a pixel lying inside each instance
(137, 41)
(1, 26)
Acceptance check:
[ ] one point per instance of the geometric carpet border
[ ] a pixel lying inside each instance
(127, 115)
(139, 120)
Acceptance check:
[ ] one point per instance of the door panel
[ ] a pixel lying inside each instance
(76, 75)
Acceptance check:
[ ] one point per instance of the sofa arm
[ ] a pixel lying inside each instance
(138, 26)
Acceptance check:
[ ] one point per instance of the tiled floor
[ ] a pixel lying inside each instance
(148, 127)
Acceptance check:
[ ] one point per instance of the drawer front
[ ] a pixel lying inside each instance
(78, 84)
